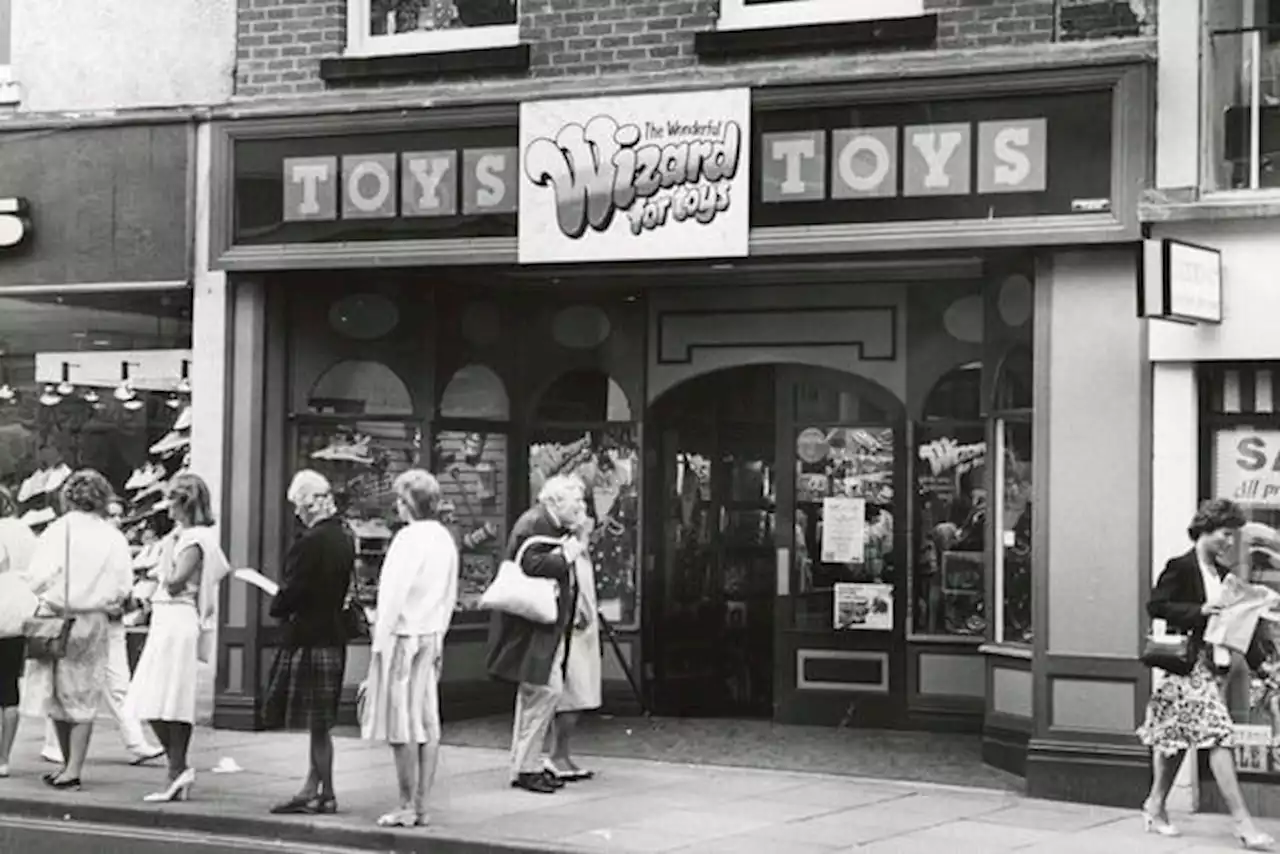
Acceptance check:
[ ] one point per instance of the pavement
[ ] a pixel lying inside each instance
(634, 805)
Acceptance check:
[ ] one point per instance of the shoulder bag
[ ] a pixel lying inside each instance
(512, 592)
(47, 636)
(1174, 654)
(355, 621)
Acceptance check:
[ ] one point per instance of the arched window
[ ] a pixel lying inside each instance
(583, 396)
(360, 388)
(956, 396)
(476, 392)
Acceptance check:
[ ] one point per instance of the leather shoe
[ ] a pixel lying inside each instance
(552, 780)
(536, 783)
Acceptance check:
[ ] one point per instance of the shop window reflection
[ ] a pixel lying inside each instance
(471, 466)
(948, 583)
(1013, 552)
(581, 427)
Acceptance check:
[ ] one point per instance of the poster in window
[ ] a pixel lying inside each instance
(844, 529)
(868, 607)
(1248, 466)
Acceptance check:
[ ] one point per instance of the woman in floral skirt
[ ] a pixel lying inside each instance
(1188, 712)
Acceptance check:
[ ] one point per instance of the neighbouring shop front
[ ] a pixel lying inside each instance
(801, 359)
(1217, 430)
(96, 320)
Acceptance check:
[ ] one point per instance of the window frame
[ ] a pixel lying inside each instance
(745, 15)
(362, 44)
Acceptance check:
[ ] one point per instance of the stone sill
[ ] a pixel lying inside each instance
(1190, 206)
(1005, 650)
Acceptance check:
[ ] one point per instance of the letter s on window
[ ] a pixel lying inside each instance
(14, 225)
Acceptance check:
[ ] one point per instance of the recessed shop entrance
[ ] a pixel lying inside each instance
(750, 611)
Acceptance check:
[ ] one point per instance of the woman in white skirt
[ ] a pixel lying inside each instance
(183, 617)
(582, 692)
(417, 592)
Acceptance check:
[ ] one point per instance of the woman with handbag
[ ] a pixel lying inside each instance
(417, 592)
(16, 545)
(582, 686)
(529, 654)
(1186, 711)
(183, 614)
(305, 682)
(82, 572)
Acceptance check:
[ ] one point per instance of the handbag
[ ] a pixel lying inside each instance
(355, 622)
(512, 592)
(1174, 654)
(47, 636)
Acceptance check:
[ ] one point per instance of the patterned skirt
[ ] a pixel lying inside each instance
(304, 688)
(1187, 713)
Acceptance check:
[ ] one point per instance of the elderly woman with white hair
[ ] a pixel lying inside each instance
(306, 677)
(417, 593)
(531, 655)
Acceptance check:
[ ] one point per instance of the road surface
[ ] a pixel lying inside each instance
(23, 836)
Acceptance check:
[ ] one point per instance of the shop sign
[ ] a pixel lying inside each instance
(1180, 281)
(1247, 466)
(988, 159)
(388, 184)
(645, 177)
(15, 224)
(413, 184)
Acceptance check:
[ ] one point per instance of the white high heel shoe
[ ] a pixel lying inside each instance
(178, 790)
(1159, 826)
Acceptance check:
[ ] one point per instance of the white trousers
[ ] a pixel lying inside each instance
(535, 711)
(117, 688)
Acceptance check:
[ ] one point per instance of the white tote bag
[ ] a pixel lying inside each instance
(512, 592)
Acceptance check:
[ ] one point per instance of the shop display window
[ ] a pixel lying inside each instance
(582, 427)
(1013, 487)
(470, 457)
(97, 381)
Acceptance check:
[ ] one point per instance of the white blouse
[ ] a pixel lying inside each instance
(418, 585)
(1212, 593)
(101, 565)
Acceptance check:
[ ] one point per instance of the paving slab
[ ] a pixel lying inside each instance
(634, 805)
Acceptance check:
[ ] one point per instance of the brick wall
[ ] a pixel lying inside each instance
(282, 41)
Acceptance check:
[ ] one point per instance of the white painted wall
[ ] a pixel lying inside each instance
(1178, 94)
(111, 54)
(1095, 399)
(1250, 295)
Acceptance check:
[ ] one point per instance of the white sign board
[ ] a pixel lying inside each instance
(638, 178)
(844, 529)
(1247, 466)
(14, 222)
(1180, 281)
(863, 606)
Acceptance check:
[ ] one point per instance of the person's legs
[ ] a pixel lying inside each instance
(535, 709)
(62, 732)
(76, 748)
(9, 718)
(52, 752)
(428, 761)
(115, 691)
(177, 747)
(322, 761)
(1164, 770)
(1223, 765)
(562, 732)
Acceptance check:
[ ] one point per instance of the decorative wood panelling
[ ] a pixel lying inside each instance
(870, 331)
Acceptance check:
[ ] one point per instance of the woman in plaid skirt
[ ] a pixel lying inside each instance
(306, 677)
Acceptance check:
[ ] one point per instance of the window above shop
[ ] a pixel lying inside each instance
(396, 27)
(757, 14)
(1243, 84)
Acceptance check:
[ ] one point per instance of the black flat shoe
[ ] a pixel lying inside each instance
(325, 806)
(73, 784)
(536, 783)
(552, 780)
(297, 805)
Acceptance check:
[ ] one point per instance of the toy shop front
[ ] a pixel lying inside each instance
(95, 320)
(801, 359)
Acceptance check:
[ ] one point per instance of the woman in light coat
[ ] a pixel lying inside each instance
(16, 546)
(184, 608)
(81, 567)
(417, 593)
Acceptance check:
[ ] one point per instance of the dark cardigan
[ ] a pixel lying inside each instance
(313, 589)
(1178, 597)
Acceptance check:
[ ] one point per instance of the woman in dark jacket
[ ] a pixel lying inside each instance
(306, 677)
(530, 655)
(1188, 712)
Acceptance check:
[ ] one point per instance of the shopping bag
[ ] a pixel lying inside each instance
(512, 592)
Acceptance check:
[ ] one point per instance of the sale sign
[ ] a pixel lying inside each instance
(1247, 466)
